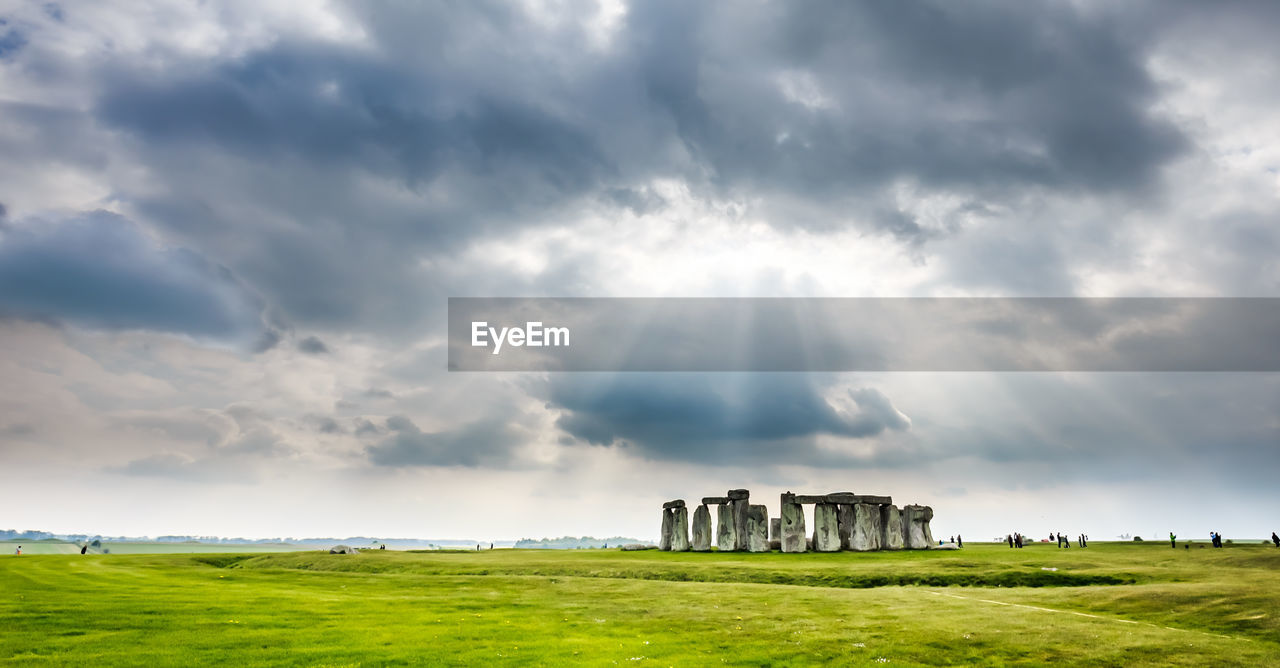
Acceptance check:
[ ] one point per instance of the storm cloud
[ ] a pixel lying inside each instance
(100, 270)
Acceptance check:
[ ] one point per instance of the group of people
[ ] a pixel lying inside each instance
(1215, 538)
(1014, 539)
(957, 540)
(1063, 541)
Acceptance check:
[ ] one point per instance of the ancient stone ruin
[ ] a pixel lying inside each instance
(842, 521)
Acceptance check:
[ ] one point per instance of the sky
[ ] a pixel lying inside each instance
(229, 231)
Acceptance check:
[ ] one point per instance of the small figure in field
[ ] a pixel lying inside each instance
(1275, 539)
(84, 548)
(1009, 539)
(951, 539)
(959, 541)
(1173, 540)
(382, 546)
(490, 546)
(18, 551)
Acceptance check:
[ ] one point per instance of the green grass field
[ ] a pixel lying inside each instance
(1110, 604)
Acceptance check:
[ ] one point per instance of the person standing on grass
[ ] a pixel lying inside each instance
(1275, 539)
(84, 548)
(18, 551)
(1173, 540)
(959, 541)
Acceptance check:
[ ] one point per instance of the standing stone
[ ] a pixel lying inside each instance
(668, 520)
(844, 516)
(891, 528)
(915, 524)
(739, 500)
(701, 529)
(826, 528)
(775, 529)
(726, 534)
(757, 529)
(866, 527)
(793, 538)
(680, 535)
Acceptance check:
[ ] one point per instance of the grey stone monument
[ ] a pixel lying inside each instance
(775, 528)
(668, 521)
(757, 528)
(866, 527)
(915, 524)
(826, 528)
(726, 534)
(844, 516)
(680, 528)
(701, 529)
(891, 528)
(739, 500)
(793, 538)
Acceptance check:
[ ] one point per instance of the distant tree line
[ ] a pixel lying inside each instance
(572, 542)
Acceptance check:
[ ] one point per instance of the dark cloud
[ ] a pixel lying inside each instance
(813, 113)
(364, 427)
(487, 443)
(312, 345)
(11, 41)
(100, 270)
(767, 418)
(327, 425)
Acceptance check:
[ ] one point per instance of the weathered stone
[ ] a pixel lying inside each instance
(844, 515)
(739, 494)
(851, 498)
(775, 545)
(701, 529)
(810, 498)
(678, 503)
(633, 547)
(866, 527)
(826, 528)
(714, 500)
(342, 549)
(757, 529)
(915, 526)
(775, 528)
(793, 538)
(741, 539)
(891, 528)
(668, 522)
(680, 537)
(726, 532)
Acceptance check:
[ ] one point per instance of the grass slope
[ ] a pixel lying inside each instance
(1190, 607)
